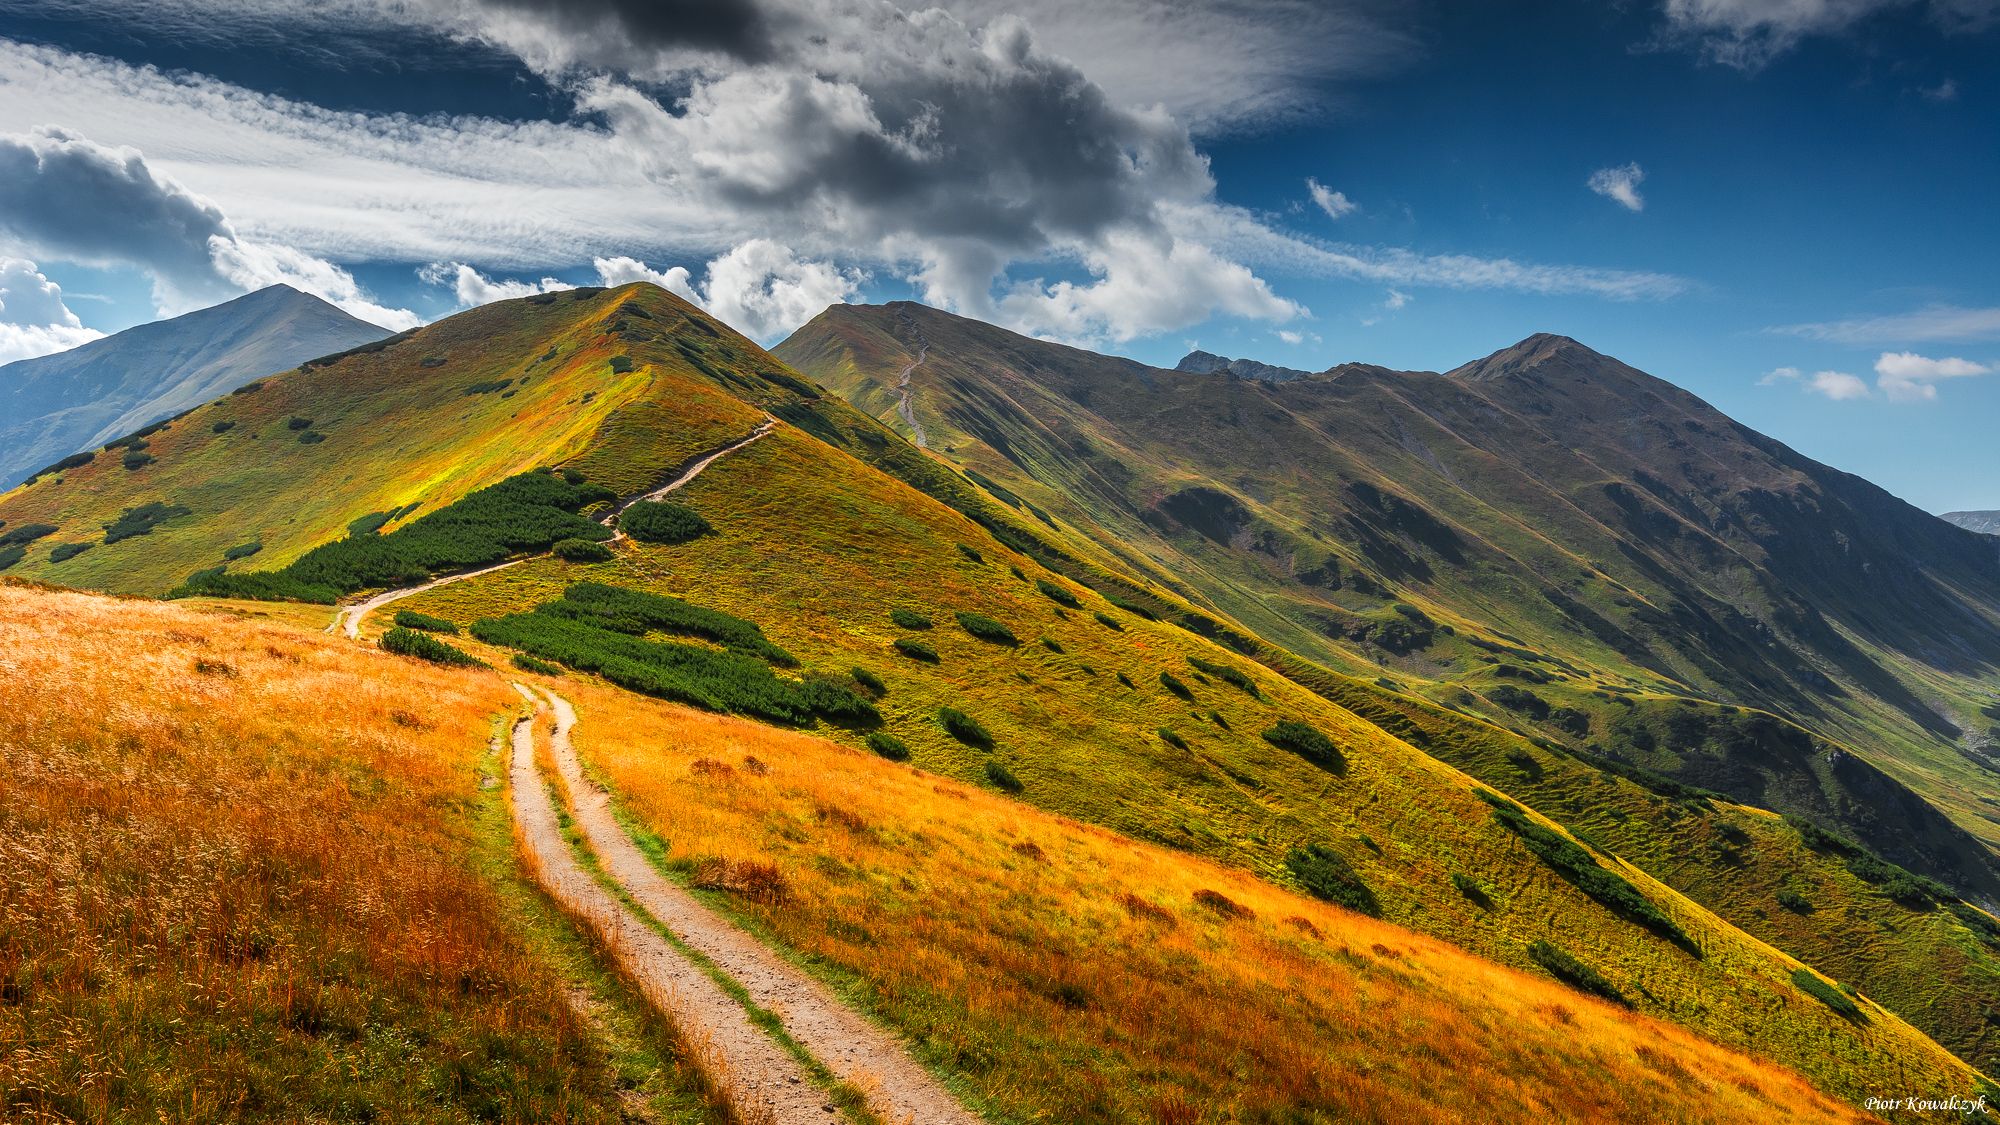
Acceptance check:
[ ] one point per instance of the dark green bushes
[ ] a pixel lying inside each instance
(727, 681)
(134, 522)
(1053, 645)
(987, 629)
(63, 552)
(73, 461)
(1235, 677)
(297, 423)
(423, 646)
(621, 364)
(888, 746)
(311, 437)
(916, 650)
(659, 521)
(1794, 901)
(1109, 622)
(487, 387)
(1519, 699)
(971, 553)
(964, 727)
(580, 551)
(1174, 685)
(137, 459)
(1812, 985)
(1057, 594)
(909, 619)
(1002, 777)
(1906, 888)
(1472, 889)
(635, 613)
(1131, 607)
(255, 586)
(26, 533)
(11, 555)
(222, 427)
(1570, 860)
(1575, 973)
(528, 512)
(1326, 874)
(411, 619)
(242, 551)
(870, 682)
(1308, 742)
(1172, 739)
(528, 663)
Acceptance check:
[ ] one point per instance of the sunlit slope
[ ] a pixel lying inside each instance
(249, 873)
(1547, 504)
(407, 427)
(1059, 972)
(818, 550)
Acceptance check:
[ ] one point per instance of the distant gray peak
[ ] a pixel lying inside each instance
(1986, 523)
(1208, 363)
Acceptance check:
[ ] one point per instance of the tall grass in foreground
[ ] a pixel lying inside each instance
(237, 881)
(1064, 973)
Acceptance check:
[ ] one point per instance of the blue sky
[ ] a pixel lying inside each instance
(1805, 236)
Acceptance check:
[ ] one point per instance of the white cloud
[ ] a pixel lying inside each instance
(1939, 323)
(1750, 33)
(66, 197)
(473, 288)
(1837, 385)
(34, 321)
(1620, 185)
(1909, 377)
(1334, 203)
(1396, 300)
(760, 288)
(1945, 91)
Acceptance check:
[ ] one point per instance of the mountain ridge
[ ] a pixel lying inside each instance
(78, 399)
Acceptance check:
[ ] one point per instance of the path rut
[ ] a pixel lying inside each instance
(855, 1050)
(762, 1081)
(348, 618)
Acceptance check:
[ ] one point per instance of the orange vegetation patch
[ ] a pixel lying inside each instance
(1063, 972)
(237, 879)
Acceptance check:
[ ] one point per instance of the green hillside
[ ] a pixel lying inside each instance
(1540, 538)
(849, 583)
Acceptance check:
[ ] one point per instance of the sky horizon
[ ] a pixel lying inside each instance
(1782, 207)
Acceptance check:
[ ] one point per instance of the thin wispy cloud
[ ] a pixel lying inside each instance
(1749, 34)
(1936, 324)
(1334, 203)
(1620, 185)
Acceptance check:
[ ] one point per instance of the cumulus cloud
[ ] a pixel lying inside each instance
(1939, 323)
(1836, 385)
(34, 321)
(66, 197)
(1334, 203)
(760, 288)
(1620, 185)
(473, 288)
(1909, 377)
(1750, 33)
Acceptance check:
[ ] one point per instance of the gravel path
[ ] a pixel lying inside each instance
(855, 1050)
(764, 1083)
(347, 619)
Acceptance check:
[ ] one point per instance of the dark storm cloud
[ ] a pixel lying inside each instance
(742, 29)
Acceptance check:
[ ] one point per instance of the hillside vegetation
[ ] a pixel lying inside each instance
(1546, 507)
(249, 874)
(1057, 971)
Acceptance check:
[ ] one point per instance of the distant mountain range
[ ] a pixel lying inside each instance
(1986, 523)
(56, 405)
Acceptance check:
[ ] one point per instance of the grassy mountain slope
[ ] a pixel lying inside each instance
(407, 427)
(1095, 712)
(817, 550)
(58, 404)
(250, 874)
(1548, 509)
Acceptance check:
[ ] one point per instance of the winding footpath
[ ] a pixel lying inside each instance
(347, 619)
(759, 1079)
(854, 1050)
(906, 395)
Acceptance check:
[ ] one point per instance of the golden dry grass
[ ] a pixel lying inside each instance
(238, 881)
(1061, 972)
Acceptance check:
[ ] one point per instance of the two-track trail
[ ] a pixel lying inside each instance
(854, 1050)
(348, 618)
